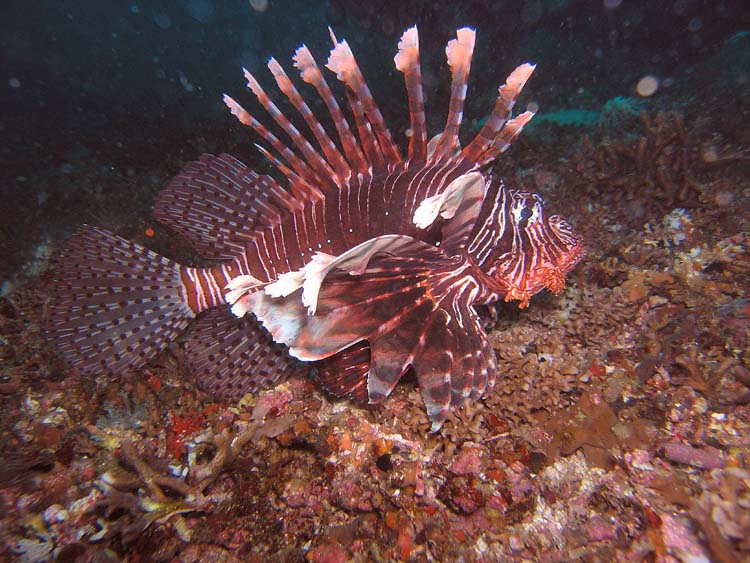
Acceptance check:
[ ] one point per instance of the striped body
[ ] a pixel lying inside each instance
(366, 264)
(363, 210)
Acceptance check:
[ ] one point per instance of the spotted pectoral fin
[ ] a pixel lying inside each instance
(412, 308)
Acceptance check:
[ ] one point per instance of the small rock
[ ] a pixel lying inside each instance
(328, 553)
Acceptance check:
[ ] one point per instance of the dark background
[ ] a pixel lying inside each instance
(103, 101)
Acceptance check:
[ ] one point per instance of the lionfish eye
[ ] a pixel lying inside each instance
(526, 213)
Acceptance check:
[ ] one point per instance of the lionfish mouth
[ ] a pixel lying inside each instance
(550, 275)
(553, 277)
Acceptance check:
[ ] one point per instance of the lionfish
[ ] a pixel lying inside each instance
(365, 265)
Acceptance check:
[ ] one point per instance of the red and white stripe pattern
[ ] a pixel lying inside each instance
(493, 240)
(518, 245)
(205, 288)
(407, 61)
(371, 316)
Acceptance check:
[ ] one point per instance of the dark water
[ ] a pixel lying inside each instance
(102, 101)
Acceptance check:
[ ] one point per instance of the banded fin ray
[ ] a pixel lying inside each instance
(116, 304)
(407, 61)
(459, 52)
(217, 203)
(407, 307)
(342, 62)
(344, 375)
(302, 180)
(506, 100)
(319, 172)
(231, 356)
(505, 138)
(310, 73)
(332, 154)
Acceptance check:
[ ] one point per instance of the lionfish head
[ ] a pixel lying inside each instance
(544, 249)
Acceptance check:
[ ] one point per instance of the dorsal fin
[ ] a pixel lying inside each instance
(369, 141)
(506, 136)
(324, 141)
(299, 187)
(407, 61)
(323, 171)
(310, 73)
(459, 52)
(217, 203)
(506, 99)
(342, 62)
(303, 173)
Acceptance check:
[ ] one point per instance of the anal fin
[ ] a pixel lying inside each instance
(231, 356)
(344, 375)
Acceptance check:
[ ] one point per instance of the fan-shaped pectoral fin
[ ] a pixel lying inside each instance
(413, 308)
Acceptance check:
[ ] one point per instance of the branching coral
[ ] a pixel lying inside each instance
(661, 163)
(137, 494)
(665, 167)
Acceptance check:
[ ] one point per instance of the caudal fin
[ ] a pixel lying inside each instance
(115, 304)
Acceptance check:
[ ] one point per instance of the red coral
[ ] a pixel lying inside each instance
(180, 428)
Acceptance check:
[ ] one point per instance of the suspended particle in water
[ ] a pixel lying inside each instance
(647, 86)
(612, 4)
(163, 21)
(259, 5)
(680, 6)
(200, 10)
(14, 83)
(189, 87)
(532, 106)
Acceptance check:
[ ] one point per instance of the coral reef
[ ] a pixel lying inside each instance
(659, 166)
(667, 167)
(618, 430)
